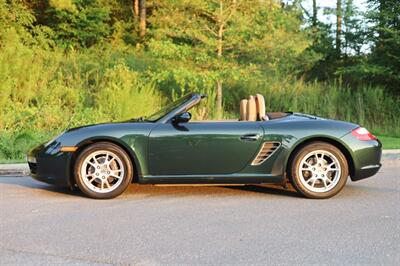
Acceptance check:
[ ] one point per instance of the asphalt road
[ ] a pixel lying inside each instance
(148, 225)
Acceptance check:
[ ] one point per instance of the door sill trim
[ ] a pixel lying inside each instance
(212, 179)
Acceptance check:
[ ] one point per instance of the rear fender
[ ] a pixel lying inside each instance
(338, 143)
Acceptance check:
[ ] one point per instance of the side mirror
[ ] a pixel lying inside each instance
(182, 118)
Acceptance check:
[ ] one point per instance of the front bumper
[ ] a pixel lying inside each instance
(366, 157)
(49, 165)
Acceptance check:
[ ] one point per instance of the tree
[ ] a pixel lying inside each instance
(314, 20)
(381, 66)
(78, 23)
(338, 27)
(142, 18)
(222, 18)
(135, 5)
(226, 39)
(384, 15)
(139, 11)
(353, 32)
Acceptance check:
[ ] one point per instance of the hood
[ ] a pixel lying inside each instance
(109, 124)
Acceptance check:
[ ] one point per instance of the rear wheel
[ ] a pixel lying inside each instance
(319, 170)
(103, 170)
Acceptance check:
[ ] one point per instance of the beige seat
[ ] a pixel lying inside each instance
(260, 103)
(251, 109)
(243, 110)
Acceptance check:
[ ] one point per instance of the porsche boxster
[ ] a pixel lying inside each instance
(315, 155)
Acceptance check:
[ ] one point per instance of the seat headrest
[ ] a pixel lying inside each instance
(251, 109)
(243, 110)
(260, 102)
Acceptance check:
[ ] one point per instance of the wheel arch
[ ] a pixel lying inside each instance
(335, 142)
(87, 142)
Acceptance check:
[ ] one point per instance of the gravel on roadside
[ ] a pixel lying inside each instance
(15, 169)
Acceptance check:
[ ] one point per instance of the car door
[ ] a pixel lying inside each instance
(197, 148)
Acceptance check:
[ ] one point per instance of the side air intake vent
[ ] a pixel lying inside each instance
(267, 149)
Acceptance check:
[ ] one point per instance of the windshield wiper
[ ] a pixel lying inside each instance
(138, 119)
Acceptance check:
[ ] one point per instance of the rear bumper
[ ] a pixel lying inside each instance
(366, 157)
(366, 171)
(50, 166)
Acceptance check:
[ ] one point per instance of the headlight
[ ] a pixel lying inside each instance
(53, 139)
(31, 159)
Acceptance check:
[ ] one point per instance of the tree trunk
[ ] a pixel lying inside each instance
(142, 18)
(219, 99)
(338, 27)
(315, 20)
(219, 55)
(382, 23)
(135, 4)
(347, 16)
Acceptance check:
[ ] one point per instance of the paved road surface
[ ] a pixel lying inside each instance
(148, 225)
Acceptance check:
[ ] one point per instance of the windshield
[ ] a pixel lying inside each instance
(168, 108)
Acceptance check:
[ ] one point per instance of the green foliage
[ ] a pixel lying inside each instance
(389, 142)
(44, 92)
(354, 30)
(382, 66)
(368, 106)
(78, 22)
(123, 94)
(14, 145)
(230, 38)
(75, 62)
(16, 17)
(370, 52)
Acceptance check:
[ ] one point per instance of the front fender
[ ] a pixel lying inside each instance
(132, 137)
(130, 150)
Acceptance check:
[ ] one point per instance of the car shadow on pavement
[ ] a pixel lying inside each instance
(207, 190)
(265, 189)
(135, 190)
(36, 185)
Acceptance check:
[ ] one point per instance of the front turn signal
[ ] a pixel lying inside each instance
(68, 148)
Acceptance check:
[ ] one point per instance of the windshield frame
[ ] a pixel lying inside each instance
(174, 108)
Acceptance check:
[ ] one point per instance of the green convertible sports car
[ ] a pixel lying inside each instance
(315, 155)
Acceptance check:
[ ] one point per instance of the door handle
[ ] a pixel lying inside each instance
(250, 137)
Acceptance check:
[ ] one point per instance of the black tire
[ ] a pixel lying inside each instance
(123, 162)
(306, 187)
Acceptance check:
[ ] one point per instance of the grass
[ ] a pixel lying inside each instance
(389, 142)
(6, 161)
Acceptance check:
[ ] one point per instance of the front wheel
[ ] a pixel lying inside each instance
(319, 170)
(103, 170)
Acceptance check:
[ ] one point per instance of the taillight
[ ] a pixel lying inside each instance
(362, 134)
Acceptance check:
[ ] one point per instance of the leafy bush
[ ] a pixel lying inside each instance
(14, 145)
(79, 22)
(123, 94)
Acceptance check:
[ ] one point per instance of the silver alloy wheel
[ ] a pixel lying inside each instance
(319, 171)
(102, 171)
